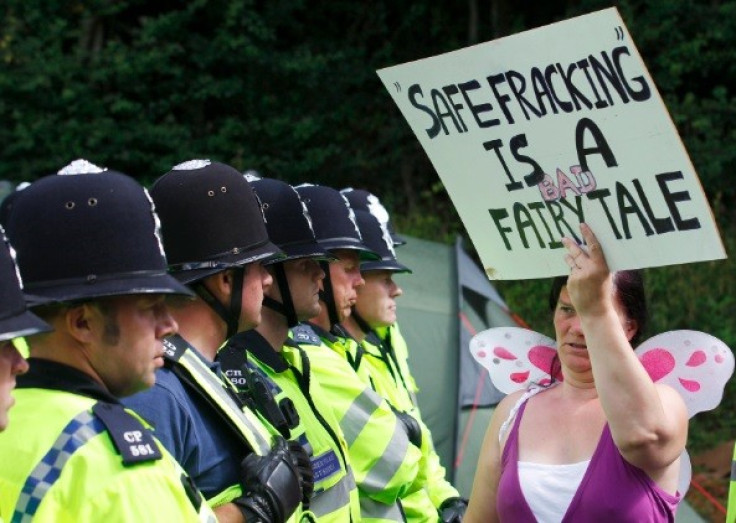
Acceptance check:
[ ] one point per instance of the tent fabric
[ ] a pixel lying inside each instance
(480, 306)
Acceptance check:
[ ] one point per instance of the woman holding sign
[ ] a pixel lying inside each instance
(603, 442)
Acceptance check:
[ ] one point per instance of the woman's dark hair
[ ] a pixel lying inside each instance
(629, 288)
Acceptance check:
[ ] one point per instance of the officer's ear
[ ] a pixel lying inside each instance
(219, 285)
(226, 281)
(78, 320)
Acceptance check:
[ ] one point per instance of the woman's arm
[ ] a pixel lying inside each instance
(648, 421)
(482, 504)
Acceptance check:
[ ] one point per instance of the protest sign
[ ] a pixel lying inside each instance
(534, 133)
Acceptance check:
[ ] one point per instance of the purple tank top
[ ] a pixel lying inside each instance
(611, 490)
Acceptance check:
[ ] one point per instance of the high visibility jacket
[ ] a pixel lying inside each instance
(60, 463)
(398, 351)
(384, 462)
(289, 373)
(222, 396)
(389, 364)
(731, 515)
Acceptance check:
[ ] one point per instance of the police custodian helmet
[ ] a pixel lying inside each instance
(378, 238)
(15, 320)
(211, 220)
(333, 220)
(88, 232)
(288, 222)
(362, 200)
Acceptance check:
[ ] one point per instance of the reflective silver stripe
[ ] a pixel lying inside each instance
(358, 415)
(391, 460)
(334, 498)
(371, 509)
(82, 428)
(214, 387)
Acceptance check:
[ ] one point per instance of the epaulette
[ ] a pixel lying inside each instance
(303, 334)
(133, 441)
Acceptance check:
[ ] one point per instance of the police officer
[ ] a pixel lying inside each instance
(385, 462)
(216, 241)
(15, 321)
(88, 247)
(375, 309)
(304, 410)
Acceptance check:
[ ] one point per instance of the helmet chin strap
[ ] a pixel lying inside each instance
(327, 295)
(231, 315)
(287, 307)
(360, 321)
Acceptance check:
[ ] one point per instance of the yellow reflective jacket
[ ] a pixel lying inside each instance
(731, 516)
(385, 463)
(391, 362)
(60, 464)
(290, 377)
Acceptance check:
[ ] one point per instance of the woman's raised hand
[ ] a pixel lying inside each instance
(590, 283)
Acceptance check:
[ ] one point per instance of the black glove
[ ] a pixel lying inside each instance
(413, 429)
(452, 510)
(300, 460)
(271, 485)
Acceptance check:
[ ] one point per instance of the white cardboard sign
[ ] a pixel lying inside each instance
(534, 133)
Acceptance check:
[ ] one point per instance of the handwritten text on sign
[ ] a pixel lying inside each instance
(535, 133)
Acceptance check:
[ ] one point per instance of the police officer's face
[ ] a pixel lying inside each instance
(304, 277)
(11, 365)
(345, 278)
(127, 339)
(256, 282)
(377, 298)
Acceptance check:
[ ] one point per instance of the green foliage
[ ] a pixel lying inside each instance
(288, 87)
(282, 87)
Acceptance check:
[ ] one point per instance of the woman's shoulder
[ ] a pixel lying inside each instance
(506, 410)
(519, 397)
(508, 402)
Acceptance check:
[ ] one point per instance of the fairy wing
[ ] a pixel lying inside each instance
(514, 357)
(695, 364)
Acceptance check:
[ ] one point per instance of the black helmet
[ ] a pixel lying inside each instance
(287, 219)
(290, 227)
(378, 239)
(88, 232)
(362, 200)
(15, 320)
(333, 220)
(211, 220)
